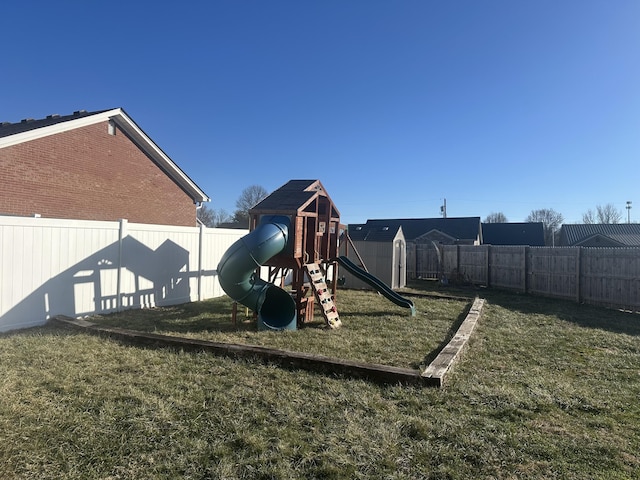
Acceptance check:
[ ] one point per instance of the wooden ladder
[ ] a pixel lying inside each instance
(322, 294)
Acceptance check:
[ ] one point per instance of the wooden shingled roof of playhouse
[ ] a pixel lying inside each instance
(294, 198)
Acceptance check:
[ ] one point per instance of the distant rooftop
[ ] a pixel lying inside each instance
(458, 228)
(623, 234)
(514, 233)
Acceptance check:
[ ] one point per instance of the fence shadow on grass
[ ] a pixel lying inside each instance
(587, 316)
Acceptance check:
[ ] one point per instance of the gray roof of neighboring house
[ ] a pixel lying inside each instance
(459, 228)
(531, 234)
(624, 234)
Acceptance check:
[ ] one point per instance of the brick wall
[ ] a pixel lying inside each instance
(88, 174)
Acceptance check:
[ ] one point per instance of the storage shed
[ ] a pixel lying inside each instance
(382, 250)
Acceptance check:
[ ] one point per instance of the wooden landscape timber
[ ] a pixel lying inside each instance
(451, 353)
(433, 376)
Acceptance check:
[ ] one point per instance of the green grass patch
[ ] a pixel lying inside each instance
(373, 329)
(546, 389)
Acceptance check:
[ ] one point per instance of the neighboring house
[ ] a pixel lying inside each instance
(531, 234)
(92, 166)
(421, 236)
(455, 231)
(600, 235)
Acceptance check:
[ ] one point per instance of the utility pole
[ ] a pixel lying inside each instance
(443, 209)
(628, 211)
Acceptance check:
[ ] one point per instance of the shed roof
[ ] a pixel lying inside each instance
(531, 234)
(359, 232)
(624, 234)
(294, 196)
(459, 228)
(30, 129)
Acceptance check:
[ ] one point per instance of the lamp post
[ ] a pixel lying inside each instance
(628, 211)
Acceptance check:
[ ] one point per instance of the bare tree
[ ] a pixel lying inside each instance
(589, 217)
(496, 217)
(249, 197)
(210, 217)
(604, 214)
(206, 216)
(608, 214)
(222, 216)
(551, 223)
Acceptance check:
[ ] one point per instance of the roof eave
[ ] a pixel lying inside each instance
(119, 116)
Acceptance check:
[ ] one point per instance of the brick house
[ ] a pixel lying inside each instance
(92, 166)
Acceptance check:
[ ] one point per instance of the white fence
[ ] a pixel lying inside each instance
(50, 267)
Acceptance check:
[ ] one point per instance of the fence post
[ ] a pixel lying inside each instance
(488, 265)
(578, 273)
(525, 272)
(122, 233)
(200, 241)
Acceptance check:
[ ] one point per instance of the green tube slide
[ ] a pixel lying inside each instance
(276, 309)
(376, 283)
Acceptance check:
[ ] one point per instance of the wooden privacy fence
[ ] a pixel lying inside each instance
(52, 267)
(423, 261)
(599, 276)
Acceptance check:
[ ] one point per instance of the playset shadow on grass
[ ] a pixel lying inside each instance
(294, 231)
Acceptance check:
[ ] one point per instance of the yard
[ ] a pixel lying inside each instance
(546, 389)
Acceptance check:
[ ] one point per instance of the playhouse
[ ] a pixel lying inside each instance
(294, 232)
(313, 243)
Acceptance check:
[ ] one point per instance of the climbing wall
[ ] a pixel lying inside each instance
(323, 295)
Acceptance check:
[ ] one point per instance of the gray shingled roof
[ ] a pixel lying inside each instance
(360, 232)
(626, 234)
(531, 234)
(7, 128)
(291, 196)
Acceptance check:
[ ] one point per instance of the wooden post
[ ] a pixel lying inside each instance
(355, 250)
(488, 266)
(525, 273)
(234, 313)
(578, 273)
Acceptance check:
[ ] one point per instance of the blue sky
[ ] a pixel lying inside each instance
(497, 106)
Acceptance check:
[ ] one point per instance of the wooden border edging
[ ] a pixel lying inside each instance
(433, 376)
(451, 353)
(285, 358)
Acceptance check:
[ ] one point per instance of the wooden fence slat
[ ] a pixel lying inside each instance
(599, 276)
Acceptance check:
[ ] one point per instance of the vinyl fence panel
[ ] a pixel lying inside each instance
(52, 266)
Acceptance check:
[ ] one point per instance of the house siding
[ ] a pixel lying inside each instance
(88, 174)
